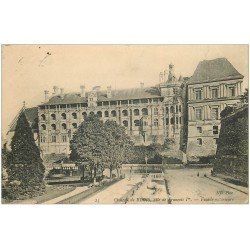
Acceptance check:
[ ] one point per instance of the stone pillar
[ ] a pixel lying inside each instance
(238, 89)
(189, 94)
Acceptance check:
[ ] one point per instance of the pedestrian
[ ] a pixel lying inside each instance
(198, 174)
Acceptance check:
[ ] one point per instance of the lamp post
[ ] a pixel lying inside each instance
(146, 160)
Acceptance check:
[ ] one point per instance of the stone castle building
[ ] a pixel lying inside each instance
(214, 85)
(185, 110)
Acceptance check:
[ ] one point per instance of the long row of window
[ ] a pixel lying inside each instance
(215, 93)
(214, 113)
(54, 127)
(173, 109)
(104, 103)
(113, 113)
(137, 123)
(53, 138)
(106, 113)
(215, 130)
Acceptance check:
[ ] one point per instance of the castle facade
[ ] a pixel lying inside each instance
(185, 110)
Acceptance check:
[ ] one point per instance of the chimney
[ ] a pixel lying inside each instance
(56, 90)
(82, 87)
(109, 94)
(161, 77)
(142, 85)
(62, 92)
(165, 76)
(96, 88)
(46, 95)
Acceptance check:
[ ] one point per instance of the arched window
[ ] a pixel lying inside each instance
(74, 125)
(179, 108)
(43, 117)
(53, 126)
(136, 112)
(43, 127)
(99, 113)
(156, 122)
(167, 121)
(172, 109)
(53, 116)
(125, 123)
(125, 112)
(137, 123)
(63, 115)
(113, 113)
(84, 115)
(64, 126)
(176, 108)
(106, 113)
(74, 115)
(155, 111)
(167, 110)
(144, 111)
(91, 113)
(172, 120)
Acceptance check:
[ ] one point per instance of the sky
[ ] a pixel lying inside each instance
(28, 70)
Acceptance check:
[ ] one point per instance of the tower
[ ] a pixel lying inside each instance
(171, 75)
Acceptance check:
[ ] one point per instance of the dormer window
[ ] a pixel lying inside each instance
(231, 91)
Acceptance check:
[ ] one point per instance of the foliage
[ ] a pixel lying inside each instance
(4, 168)
(244, 97)
(228, 110)
(119, 147)
(152, 152)
(87, 144)
(25, 167)
(100, 145)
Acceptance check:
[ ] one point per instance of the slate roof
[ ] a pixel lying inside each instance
(214, 70)
(122, 94)
(31, 115)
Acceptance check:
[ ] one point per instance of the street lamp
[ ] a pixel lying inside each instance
(146, 160)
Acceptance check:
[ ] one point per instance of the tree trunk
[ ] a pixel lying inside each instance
(110, 174)
(95, 174)
(91, 174)
(118, 173)
(83, 172)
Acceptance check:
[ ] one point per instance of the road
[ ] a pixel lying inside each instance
(147, 195)
(115, 192)
(186, 187)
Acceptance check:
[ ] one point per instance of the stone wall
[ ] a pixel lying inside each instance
(232, 150)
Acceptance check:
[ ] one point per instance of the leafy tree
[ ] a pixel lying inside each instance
(152, 151)
(244, 97)
(102, 145)
(119, 147)
(25, 167)
(87, 145)
(226, 111)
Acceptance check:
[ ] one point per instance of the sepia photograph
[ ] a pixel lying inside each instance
(124, 124)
